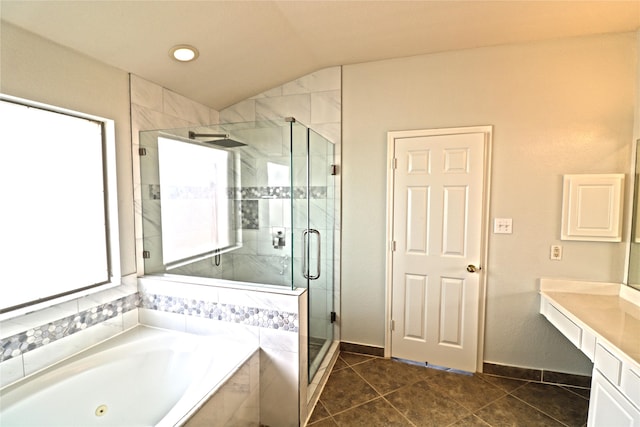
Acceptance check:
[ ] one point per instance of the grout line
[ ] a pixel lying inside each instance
(462, 403)
(473, 412)
(355, 406)
(573, 392)
(391, 391)
(368, 357)
(380, 396)
(398, 411)
(538, 409)
(523, 382)
(367, 382)
(473, 416)
(328, 417)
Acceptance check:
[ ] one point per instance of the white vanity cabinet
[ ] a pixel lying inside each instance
(609, 407)
(604, 325)
(614, 400)
(582, 338)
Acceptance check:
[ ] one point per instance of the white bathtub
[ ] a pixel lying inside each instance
(143, 377)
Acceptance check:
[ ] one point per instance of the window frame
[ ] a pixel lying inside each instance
(232, 229)
(112, 229)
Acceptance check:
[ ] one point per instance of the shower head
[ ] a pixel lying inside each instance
(223, 141)
(227, 143)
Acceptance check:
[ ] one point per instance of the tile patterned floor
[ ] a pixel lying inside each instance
(370, 391)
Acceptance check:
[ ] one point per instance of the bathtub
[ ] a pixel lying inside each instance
(142, 377)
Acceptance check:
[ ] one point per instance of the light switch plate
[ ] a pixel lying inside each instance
(503, 225)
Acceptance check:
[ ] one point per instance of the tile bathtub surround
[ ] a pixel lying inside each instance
(36, 337)
(249, 316)
(237, 402)
(282, 360)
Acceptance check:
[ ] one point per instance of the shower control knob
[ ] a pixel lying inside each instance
(473, 269)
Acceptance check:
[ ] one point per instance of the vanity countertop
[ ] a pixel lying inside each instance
(610, 310)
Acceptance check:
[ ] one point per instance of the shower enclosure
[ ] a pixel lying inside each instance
(247, 202)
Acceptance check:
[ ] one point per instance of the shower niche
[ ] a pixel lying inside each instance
(249, 202)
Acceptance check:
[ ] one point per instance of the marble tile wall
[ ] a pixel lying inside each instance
(236, 403)
(274, 319)
(283, 363)
(42, 338)
(315, 100)
(154, 107)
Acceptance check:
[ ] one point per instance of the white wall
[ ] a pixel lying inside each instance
(557, 107)
(34, 68)
(37, 69)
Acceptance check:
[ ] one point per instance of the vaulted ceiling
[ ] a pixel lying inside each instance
(247, 47)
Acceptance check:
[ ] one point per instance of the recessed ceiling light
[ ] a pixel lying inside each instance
(183, 53)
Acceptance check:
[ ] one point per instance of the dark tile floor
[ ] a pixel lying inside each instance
(372, 391)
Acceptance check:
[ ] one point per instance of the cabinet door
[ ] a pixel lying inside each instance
(609, 407)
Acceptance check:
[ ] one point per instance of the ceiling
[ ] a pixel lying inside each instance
(247, 47)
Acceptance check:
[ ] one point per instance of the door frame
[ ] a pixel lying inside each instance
(485, 231)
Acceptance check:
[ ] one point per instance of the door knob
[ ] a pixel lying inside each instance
(473, 269)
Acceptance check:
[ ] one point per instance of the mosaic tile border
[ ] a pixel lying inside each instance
(250, 316)
(263, 192)
(315, 192)
(33, 338)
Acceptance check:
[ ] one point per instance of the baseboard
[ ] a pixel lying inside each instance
(536, 375)
(362, 349)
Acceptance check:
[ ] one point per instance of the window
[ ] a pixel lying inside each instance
(58, 224)
(197, 214)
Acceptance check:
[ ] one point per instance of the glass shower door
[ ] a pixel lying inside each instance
(320, 248)
(313, 216)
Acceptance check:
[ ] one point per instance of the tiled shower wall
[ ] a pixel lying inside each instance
(314, 100)
(154, 107)
(191, 307)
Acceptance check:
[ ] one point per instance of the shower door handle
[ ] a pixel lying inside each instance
(305, 253)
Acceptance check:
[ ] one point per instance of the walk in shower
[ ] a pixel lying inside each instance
(247, 202)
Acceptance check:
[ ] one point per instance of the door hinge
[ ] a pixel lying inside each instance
(333, 169)
(142, 151)
(393, 246)
(334, 316)
(393, 325)
(394, 163)
(146, 254)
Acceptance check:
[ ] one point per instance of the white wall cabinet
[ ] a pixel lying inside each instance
(592, 207)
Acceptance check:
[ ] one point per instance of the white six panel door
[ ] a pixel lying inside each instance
(437, 229)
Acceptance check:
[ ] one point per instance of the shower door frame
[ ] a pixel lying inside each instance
(317, 238)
